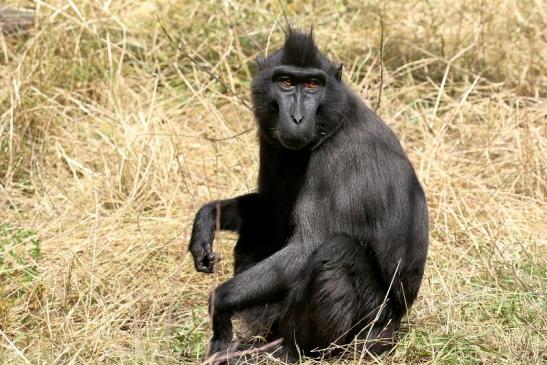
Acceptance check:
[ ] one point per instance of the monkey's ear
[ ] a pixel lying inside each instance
(260, 62)
(338, 71)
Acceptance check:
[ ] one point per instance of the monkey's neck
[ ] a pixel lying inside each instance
(327, 133)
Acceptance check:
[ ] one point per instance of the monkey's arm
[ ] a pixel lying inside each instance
(266, 282)
(228, 214)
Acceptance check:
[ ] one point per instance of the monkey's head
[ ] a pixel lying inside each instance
(295, 93)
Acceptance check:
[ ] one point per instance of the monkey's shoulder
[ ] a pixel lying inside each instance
(364, 144)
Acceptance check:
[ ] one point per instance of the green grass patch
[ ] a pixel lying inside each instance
(189, 341)
(19, 252)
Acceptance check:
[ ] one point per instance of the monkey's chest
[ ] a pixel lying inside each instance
(330, 206)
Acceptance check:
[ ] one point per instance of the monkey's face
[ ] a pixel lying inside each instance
(297, 92)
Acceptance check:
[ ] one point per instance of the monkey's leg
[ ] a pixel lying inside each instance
(341, 294)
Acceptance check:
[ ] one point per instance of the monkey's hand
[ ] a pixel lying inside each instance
(204, 257)
(201, 241)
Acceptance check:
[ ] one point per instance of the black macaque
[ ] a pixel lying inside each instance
(333, 244)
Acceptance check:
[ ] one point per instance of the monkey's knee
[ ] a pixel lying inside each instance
(336, 248)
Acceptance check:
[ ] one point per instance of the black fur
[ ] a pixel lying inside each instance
(333, 244)
(300, 50)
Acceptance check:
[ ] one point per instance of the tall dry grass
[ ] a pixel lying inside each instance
(112, 135)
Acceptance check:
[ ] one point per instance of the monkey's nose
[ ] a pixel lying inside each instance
(297, 119)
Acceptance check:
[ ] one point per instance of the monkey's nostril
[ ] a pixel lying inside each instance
(297, 119)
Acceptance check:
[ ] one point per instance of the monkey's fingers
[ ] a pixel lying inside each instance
(212, 260)
(203, 267)
(202, 262)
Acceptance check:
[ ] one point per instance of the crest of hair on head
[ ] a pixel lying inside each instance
(300, 49)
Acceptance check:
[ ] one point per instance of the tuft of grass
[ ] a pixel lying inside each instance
(189, 341)
(19, 251)
(112, 136)
(20, 287)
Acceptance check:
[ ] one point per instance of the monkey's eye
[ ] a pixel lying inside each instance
(286, 82)
(312, 85)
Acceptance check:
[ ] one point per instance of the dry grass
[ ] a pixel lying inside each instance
(107, 149)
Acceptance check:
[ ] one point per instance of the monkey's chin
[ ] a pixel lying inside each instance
(293, 143)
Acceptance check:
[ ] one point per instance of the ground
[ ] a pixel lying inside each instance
(118, 119)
